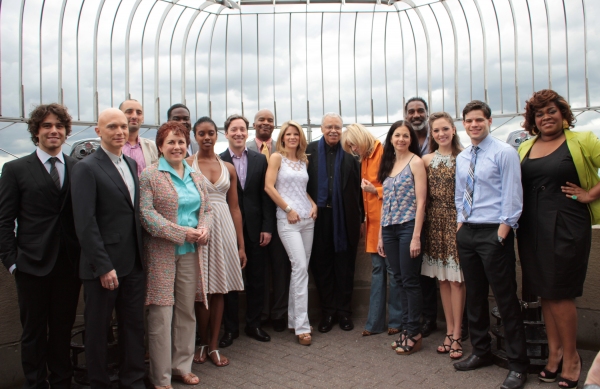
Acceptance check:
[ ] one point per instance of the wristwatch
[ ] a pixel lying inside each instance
(501, 240)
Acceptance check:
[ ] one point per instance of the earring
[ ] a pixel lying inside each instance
(565, 124)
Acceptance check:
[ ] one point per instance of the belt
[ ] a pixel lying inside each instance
(478, 226)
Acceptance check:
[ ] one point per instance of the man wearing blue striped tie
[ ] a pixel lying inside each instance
(489, 200)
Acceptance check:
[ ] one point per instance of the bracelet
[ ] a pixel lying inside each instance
(288, 209)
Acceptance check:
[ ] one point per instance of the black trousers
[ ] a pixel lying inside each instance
(254, 287)
(281, 270)
(128, 301)
(487, 263)
(47, 305)
(429, 291)
(333, 272)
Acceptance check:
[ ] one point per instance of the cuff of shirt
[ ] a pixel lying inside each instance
(12, 268)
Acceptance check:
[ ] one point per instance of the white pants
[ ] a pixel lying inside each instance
(297, 239)
(172, 329)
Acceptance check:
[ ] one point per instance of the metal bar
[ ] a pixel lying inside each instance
(195, 64)
(354, 69)
(257, 62)
(585, 52)
(241, 65)
(95, 59)
(273, 59)
(322, 72)
(549, 45)
(470, 53)
(77, 57)
(142, 57)
(306, 57)
(111, 54)
(567, 50)
(485, 78)
(531, 48)
(499, 59)
(156, 60)
(456, 102)
(339, 60)
(442, 51)
(427, 42)
(403, 67)
(516, 41)
(22, 92)
(212, 34)
(60, 52)
(40, 46)
(226, 50)
(387, 111)
(183, 56)
(371, 64)
(171, 63)
(412, 30)
(127, 41)
(290, 63)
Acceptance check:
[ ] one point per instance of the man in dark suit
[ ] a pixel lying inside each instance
(277, 258)
(107, 219)
(258, 223)
(334, 184)
(44, 253)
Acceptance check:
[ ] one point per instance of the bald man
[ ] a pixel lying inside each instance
(105, 192)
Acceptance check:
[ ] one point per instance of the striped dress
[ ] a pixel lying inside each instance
(222, 269)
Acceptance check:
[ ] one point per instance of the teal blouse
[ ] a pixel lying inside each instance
(189, 201)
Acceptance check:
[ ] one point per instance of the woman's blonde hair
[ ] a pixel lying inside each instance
(301, 150)
(360, 137)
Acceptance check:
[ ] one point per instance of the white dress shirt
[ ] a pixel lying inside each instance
(123, 169)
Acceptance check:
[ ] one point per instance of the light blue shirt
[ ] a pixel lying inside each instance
(498, 193)
(188, 201)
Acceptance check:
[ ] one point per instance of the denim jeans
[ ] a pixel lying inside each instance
(376, 318)
(407, 272)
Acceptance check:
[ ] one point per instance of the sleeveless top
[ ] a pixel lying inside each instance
(399, 198)
(291, 185)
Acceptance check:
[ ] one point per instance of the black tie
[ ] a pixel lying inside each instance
(54, 172)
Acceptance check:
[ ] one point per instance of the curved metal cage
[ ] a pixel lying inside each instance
(301, 59)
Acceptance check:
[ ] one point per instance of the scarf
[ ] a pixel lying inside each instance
(339, 221)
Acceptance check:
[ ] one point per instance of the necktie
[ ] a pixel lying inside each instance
(468, 198)
(54, 172)
(264, 149)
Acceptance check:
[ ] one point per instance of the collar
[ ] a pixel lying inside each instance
(377, 145)
(260, 142)
(164, 166)
(334, 147)
(484, 144)
(232, 154)
(137, 142)
(44, 156)
(113, 157)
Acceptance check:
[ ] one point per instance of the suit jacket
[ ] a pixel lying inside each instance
(150, 151)
(251, 145)
(43, 213)
(351, 191)
(258, 210)
(107, 222)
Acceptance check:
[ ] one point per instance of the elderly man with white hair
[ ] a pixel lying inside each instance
(334, 184)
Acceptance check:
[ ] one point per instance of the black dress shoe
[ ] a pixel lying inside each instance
(326, 323)
(473, 362)
(428, 327)
(346, 323)
(227, 339)
(258, 334)
(514, 380)
(279, 325)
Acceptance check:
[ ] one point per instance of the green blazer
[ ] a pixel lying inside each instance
(585, 150)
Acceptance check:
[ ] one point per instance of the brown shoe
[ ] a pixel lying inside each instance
(393, 331)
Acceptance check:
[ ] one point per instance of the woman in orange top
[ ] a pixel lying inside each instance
(359, 141)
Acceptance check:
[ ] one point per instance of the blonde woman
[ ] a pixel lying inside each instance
(359, 141)
(285, 183)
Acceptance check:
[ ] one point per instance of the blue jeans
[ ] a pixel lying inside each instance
(376, 318)
(407, 272)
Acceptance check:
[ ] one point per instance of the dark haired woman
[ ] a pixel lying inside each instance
(404, 179)
(174, 211)
(561, 191)
(440, 256)
(224, 256)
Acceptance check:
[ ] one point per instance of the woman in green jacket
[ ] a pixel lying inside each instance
(561, 192)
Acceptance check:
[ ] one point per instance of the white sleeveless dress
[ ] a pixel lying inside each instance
(222, 269)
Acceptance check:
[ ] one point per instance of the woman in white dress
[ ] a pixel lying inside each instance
(285, 183)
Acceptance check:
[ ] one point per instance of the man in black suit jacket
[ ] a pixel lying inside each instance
(44, 253)
(258, 222)
(107, 219)
(333, 267)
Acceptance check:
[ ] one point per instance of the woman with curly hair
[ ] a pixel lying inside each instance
(561, 191)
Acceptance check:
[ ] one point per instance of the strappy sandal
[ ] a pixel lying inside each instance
(305, 339)
(456, 353)
(219, 363)
(405, 349)
(445, 346)
(550, 376)
(187, 379)
(398, 342)
(201, 360)
(393, 331)
(570, 383)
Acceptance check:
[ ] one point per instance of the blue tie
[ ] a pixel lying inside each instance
(468, 199)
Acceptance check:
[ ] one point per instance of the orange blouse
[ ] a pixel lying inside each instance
(372, 202)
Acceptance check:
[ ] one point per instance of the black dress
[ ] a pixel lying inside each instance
(555, 234)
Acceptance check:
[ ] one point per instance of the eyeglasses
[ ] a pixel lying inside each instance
(337, 128)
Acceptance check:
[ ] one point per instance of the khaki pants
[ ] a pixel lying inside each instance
(172, 329)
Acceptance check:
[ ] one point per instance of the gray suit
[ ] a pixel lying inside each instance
(280, 268)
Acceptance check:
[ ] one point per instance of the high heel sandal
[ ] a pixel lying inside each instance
(405, 349)
(571, 384)
(445, 346)
(548, 375)
(455, 351)
(398, 342)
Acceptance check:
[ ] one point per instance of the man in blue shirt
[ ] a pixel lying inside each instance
(489, 200)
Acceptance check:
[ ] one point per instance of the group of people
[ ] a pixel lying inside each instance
(159, 231)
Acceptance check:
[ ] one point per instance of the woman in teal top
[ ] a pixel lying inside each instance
(175, 212)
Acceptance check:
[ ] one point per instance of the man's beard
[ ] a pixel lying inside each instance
(420, 126)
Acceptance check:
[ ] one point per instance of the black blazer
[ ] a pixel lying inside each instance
(43, 213)
(107, 222)
(352, 193)
(258, 210)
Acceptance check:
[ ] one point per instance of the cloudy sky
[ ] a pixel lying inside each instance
(362, 59)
